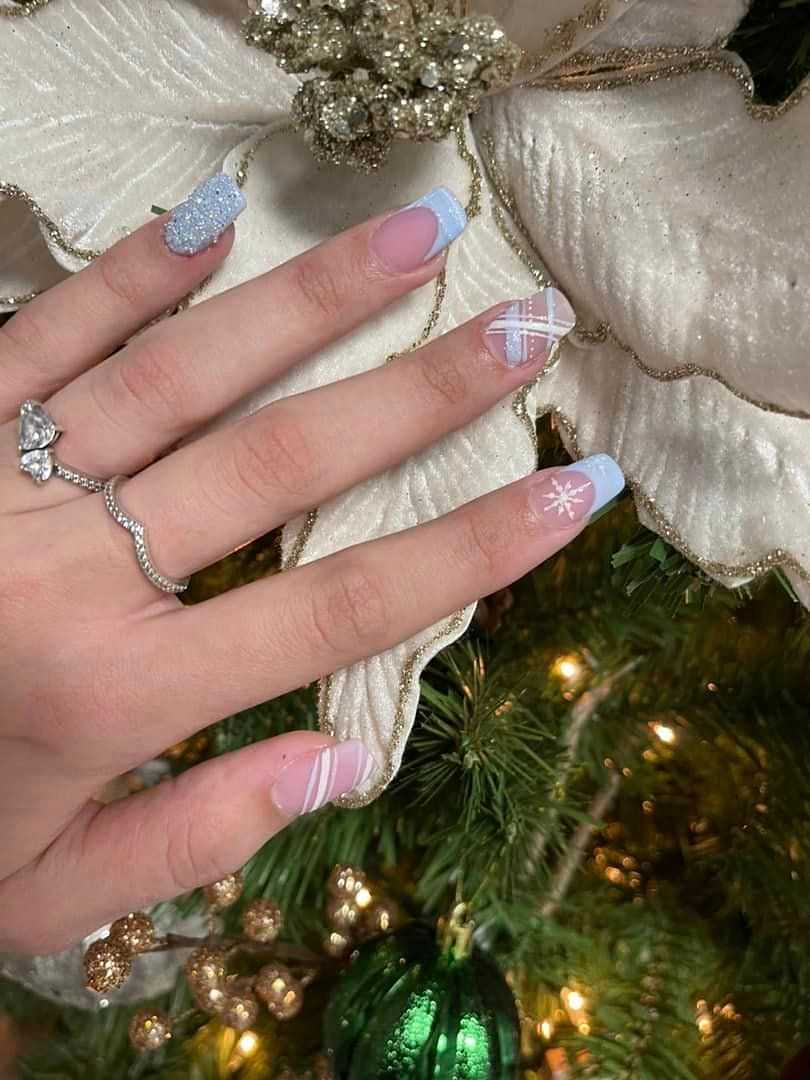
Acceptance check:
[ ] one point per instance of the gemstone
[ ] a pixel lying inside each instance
(37, 430)
(431, 76)
(38, 464)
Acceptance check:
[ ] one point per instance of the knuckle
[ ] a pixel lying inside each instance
(275, 454)
(26, 339)
(442, 375)
(349, 610)
(485, 539)
(322, 288)
(125, 278)
(150, 376)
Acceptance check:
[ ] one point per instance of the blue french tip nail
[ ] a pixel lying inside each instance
(605, 475)
(202, 218)
(450, 214)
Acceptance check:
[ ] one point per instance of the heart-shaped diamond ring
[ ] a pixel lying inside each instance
(37, 434)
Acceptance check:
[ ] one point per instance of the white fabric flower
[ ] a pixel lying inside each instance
(667, 209)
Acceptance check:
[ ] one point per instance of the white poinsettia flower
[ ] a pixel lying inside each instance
(634, 170)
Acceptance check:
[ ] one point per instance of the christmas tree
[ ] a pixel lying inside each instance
(593, 861)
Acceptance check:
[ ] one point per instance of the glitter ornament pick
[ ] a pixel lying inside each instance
(106, 966)
(221, 894)
(135, 933)
(386, 70)
(149, 1030)
(262, 921)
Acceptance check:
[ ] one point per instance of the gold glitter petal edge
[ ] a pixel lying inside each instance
(454, 623)
(560, 39)
(524, 247)
(473, 209)
(604, 332)
(13, 191)
(777, 558)
(627, 67)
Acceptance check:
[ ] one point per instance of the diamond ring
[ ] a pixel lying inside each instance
(37, 433)
(137, 530)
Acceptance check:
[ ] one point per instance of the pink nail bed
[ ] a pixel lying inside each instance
(527, 331)
(571, 495)
(418, 232)
(311, 780)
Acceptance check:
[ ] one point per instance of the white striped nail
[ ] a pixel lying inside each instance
(314, 779)
(527, 331)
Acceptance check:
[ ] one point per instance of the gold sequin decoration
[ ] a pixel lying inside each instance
(27, 8)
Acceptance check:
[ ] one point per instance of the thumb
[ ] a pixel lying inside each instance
(189, 831)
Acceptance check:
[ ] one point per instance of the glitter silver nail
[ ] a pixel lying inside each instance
(198, 221)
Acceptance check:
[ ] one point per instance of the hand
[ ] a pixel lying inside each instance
(99, 670)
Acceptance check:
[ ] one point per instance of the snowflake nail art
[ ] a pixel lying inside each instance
(565, 498)
(577, 491)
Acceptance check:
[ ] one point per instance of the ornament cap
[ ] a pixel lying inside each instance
(456, 932)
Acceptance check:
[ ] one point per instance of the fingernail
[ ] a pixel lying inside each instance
(314, 779)
(527, 331)
(418, 232)
(202, 218)
(575, 493)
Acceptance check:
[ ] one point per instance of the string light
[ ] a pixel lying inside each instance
(363, 897)
(248, 1044)
(547, 1029)
(704, 1019)
(568, 668)
(575, 1001)
(665, 733)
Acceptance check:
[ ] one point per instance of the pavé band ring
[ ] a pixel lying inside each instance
(138, 532)
(36, 434)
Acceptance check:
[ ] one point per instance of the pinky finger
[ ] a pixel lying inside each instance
(186, 832)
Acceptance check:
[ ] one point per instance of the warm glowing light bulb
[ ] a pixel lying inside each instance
(575, 1001)
(363, 897)
(665, 733)
(567, 668)
(248, 1044)
(547, 1029)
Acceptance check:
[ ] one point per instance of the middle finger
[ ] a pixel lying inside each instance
(239, 482)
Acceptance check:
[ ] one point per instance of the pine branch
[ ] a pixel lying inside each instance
(578, 849)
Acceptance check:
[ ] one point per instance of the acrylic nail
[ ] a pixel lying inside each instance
(203, 217)
(417, 233)
(311, 780)
(527, 331)
(575, 493)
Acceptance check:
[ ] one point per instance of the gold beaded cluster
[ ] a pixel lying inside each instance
(354, 912)
(108, 961)
(382, 69)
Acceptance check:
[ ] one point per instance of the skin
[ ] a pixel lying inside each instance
(99, 671)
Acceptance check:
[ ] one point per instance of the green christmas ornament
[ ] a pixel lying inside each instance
(412, 1007)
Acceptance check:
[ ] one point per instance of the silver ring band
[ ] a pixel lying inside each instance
(138, 532)
(36, 435)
